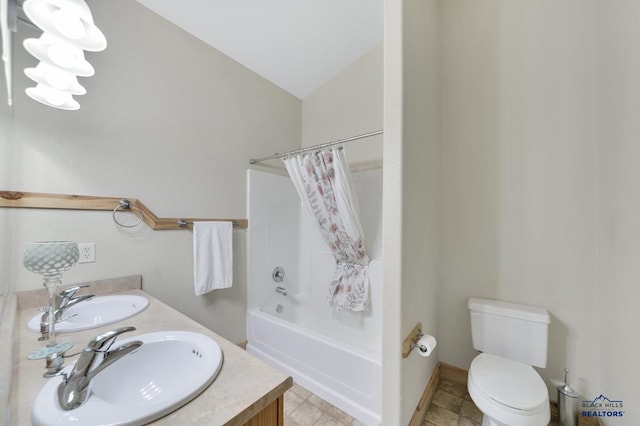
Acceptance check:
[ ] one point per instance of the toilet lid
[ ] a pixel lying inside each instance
(508, 382)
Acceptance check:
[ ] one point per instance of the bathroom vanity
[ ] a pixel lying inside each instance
(246, 391)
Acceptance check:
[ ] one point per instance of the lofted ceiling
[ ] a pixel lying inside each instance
(296, 44)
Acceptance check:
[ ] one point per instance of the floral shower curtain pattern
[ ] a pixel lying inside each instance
(324, 185)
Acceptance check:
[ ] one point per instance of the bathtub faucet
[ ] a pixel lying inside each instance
(281, 290)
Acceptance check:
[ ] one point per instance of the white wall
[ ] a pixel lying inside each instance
(411, 168)
(273, 237)
(167, 120)
(619, 203)
(520, 172)
(349, 104)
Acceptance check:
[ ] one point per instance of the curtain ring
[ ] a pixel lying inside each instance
(126, 205)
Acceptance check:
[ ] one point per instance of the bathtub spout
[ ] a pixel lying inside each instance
(281, 290)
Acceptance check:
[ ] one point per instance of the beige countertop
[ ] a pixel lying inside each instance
(244, 386)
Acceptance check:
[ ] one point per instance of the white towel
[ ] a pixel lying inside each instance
(212, 256)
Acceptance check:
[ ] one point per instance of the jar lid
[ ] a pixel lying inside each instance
(566, 389)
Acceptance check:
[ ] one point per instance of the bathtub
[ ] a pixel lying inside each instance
(336, 355)
(347, 375)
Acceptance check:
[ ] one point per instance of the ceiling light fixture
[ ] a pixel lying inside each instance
(68, 29)
(70, 20)
(55, 78)
(62, 55)
(52, 97)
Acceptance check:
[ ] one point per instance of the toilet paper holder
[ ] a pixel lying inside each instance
(411, 340)
(414, 343)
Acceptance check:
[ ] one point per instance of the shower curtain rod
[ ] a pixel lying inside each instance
(311, 148)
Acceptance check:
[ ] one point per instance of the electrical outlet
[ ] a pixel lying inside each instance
(87, 252)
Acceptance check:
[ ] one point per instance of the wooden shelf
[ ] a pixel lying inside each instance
(40, 200)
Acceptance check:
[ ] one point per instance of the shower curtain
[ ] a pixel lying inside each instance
(324, 185)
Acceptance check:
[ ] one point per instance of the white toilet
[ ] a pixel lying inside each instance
(502, 381)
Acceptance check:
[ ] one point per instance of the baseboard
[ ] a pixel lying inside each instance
(442, 371)
(453, 373)
(425, 401)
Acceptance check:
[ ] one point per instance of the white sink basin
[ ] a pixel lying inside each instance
(96, 312)
(167, 371)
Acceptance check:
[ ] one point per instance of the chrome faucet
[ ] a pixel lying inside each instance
(63, 301)
(98, 355)
(66, 295)
(281, 290)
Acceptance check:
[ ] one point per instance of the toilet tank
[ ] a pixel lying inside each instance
(510, 330)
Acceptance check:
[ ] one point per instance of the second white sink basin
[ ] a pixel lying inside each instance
(167, 371)
(96, 312)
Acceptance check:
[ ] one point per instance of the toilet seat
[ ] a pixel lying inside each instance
(508, 391)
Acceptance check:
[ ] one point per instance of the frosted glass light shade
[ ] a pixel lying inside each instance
(51, 97)
(59, 53)
(70, 20)
(55, 78)
(68, 23)
(51, 257)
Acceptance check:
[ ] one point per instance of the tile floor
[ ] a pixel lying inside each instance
(452, 406)
(303, 408)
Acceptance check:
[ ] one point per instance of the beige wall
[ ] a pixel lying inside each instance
(411, 168)
(619, 203)
(349, 104)
(392, 213)
(539, 147)
(168, 120)
(519, 178)
(538, 164)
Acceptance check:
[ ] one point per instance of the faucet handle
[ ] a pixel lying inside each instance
(71, 291)
(97, 344)
(63, 298)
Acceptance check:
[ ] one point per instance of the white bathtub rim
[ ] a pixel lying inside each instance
(339, 390)
(366, 353)
(350, 407)
(319, 375)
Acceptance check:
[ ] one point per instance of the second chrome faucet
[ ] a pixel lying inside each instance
(63, 301)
